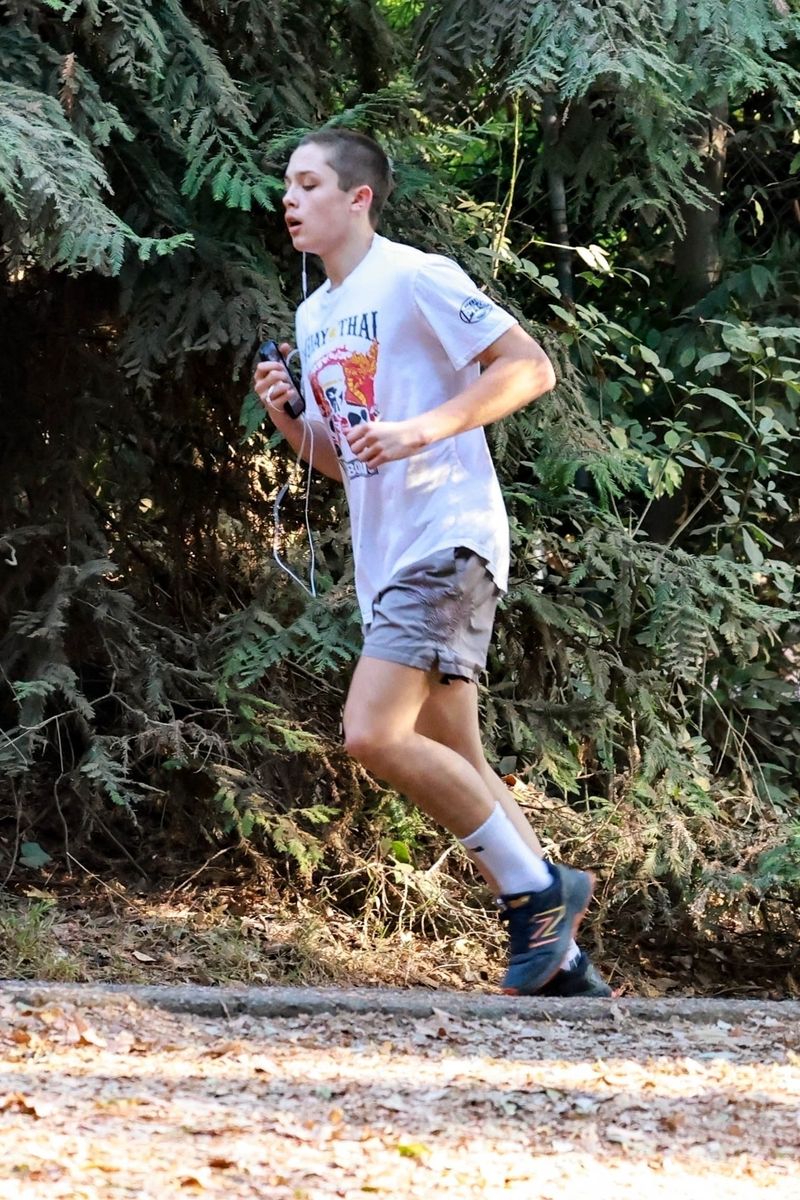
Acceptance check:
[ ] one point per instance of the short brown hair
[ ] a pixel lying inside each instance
(356, 159)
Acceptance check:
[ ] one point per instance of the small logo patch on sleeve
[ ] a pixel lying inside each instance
(474, 309)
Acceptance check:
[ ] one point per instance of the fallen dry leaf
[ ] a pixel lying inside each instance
(623, 1135)
(17, 1102)
(219, 1163)
(352, 1104)
(195, 1181)
(81, 1034)
(440, 1025)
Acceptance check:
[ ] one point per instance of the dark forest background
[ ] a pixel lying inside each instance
(625, 179)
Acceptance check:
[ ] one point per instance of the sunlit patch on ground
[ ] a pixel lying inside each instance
(117, 1100)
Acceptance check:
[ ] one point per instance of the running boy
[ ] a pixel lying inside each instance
(404, 361)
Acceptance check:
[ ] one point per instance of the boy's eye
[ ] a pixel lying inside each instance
(309, 187)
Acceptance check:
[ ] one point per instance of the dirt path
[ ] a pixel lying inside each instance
(111, 1097)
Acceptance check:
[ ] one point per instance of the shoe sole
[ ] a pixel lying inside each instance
(578, 918)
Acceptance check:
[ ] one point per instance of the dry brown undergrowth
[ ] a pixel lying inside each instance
(369, 920)
(83, 931)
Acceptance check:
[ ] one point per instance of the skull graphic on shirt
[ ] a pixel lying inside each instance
(343, 385)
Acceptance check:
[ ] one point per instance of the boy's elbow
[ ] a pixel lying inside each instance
(543, 375)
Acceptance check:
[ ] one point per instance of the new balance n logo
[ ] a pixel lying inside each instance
(544, 927)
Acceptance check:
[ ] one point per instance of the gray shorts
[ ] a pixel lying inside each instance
(437, 613)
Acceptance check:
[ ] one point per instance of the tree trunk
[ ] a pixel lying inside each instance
(556, 189)
(697, 258)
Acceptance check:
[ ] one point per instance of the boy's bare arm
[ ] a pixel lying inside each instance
(317, 451)
(273, 387)
(516, 371)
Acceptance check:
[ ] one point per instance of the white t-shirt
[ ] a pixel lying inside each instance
(399, 337)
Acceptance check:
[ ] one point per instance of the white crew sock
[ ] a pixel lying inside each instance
(499, 848)
(571, 957)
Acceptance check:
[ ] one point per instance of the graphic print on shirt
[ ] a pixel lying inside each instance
(343, 383)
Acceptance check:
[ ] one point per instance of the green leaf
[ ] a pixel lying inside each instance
(752, 550)
(671, 477)
(594, 257)
(252, 415)
(32, 855)
(762, 278)
(649, 355)
(792, 332)
(620, 363)
(709, 361)
(729, 400)
(738, 338)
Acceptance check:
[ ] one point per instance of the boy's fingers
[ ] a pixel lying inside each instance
(264, 368)
(268, 372)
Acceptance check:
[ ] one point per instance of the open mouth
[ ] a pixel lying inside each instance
(292, 224)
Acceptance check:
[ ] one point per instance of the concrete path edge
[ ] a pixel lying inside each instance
(414, 1002)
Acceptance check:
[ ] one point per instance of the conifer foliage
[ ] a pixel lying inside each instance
(151, 656)
(142, 249)
(637, 77)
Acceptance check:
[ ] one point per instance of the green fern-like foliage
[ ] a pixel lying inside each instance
(154, 661)
(52, 191)
(135, 144)
(640, 77)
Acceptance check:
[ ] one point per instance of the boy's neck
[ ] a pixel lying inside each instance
(345, 258)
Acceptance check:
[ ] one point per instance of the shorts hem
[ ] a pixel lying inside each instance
(460, 670)
(433, 661)
(418, 662)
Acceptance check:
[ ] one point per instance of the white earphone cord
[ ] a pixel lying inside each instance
(277, 527)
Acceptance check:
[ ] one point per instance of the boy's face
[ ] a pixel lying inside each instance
(320, 217)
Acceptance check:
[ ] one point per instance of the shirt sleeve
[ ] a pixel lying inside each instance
(465, 321)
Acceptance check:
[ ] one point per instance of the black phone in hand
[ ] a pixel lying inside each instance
(268, 351)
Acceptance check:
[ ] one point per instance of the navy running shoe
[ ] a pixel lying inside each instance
(541, 926)
(581, 978)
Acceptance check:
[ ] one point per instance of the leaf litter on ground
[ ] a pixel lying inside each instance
(115, 1099)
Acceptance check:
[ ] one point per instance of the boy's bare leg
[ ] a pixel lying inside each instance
(380, 726)
(381, 718)
(450, 716)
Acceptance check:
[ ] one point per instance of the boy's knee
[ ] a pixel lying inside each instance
(367, 744)
(360, 741)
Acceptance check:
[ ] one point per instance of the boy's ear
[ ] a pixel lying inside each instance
(362, 198)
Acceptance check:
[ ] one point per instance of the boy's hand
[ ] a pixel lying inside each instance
(272, 384)
(378, 442)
